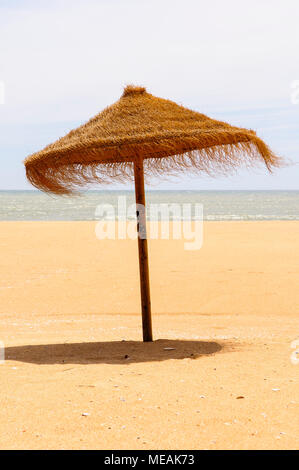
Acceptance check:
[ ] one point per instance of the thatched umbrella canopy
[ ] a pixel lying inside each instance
(141, 135)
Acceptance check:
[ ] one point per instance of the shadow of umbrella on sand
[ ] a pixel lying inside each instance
(113, 352)
(142, 135)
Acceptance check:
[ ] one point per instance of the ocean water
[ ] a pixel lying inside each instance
(217, 205)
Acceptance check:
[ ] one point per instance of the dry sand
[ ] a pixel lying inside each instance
(69, 316)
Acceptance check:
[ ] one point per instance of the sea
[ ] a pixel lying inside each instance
(91, 205)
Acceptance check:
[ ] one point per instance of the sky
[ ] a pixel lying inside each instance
(62, 62)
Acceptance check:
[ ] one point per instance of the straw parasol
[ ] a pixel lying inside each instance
(141, 136)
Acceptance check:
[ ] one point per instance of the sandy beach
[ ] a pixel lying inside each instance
(77, 376)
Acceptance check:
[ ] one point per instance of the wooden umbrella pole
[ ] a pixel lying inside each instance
(142, 250)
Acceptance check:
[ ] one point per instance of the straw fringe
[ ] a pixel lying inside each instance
(214, 161)
(171, 139)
